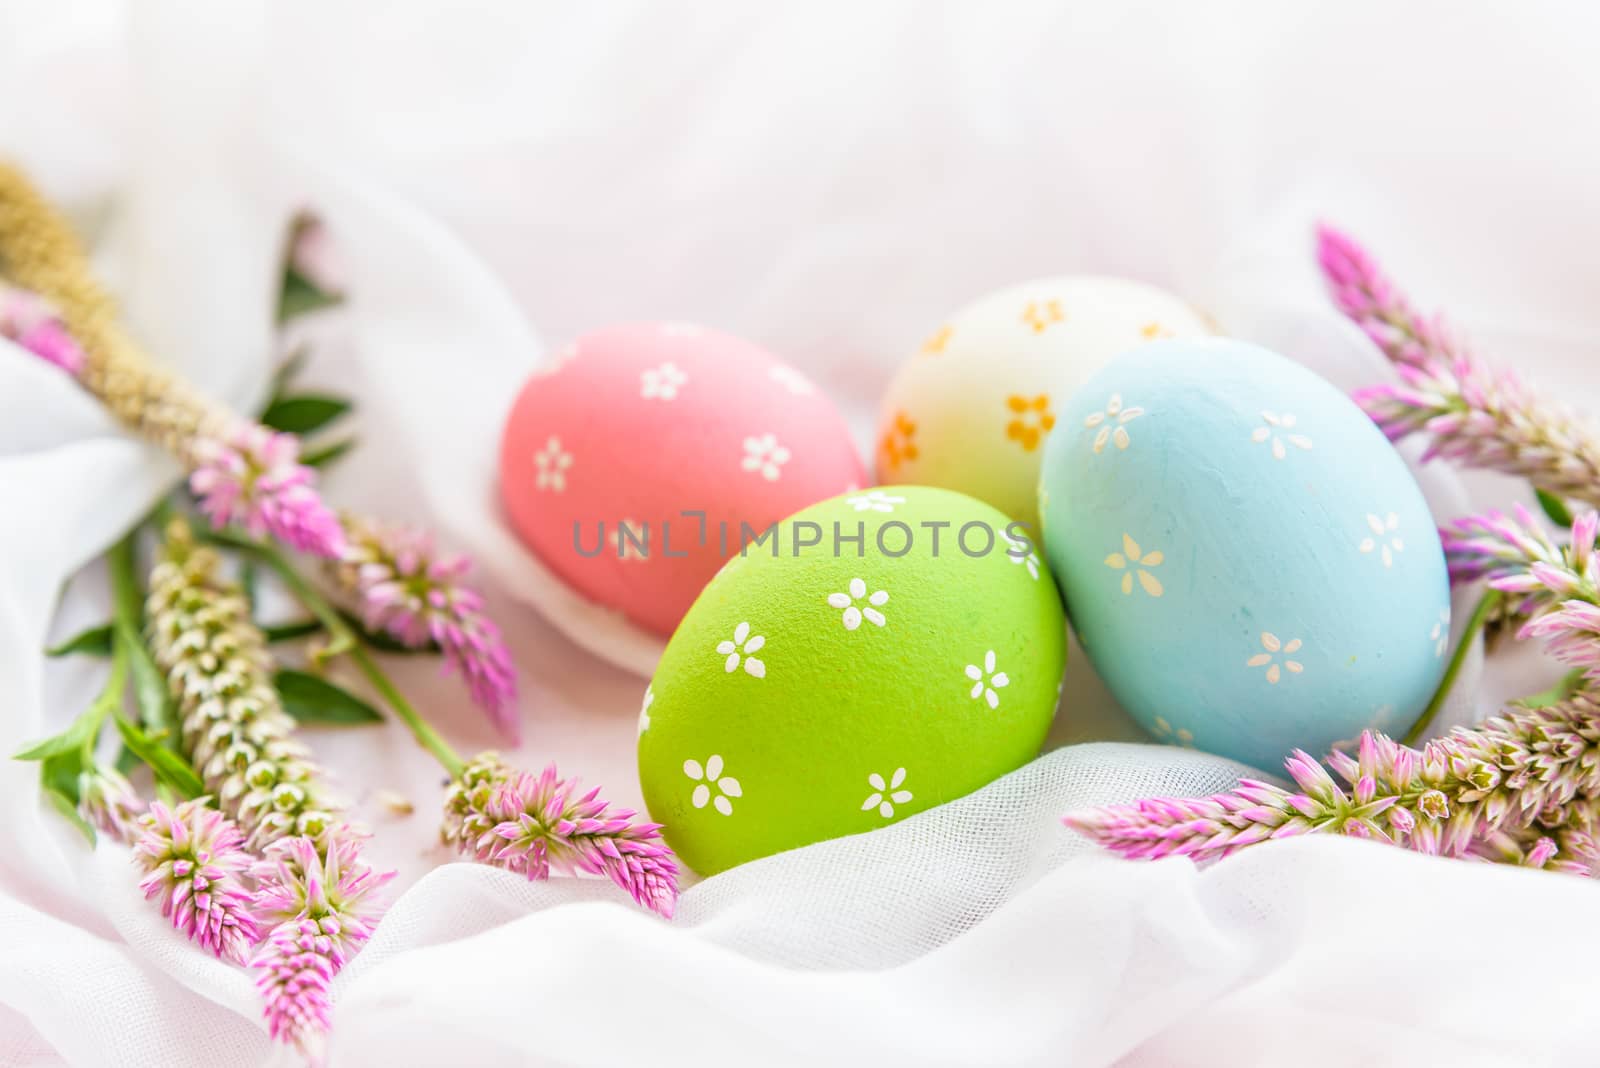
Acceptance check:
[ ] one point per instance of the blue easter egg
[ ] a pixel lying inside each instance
(1246, 560)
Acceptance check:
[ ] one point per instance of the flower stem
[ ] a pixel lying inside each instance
(344, 640)
(1480, 615)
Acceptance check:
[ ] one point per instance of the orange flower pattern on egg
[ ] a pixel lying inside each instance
(1039, 314)
(1032, 420)
(899, 442)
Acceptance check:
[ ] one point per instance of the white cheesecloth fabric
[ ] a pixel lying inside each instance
(830, 180)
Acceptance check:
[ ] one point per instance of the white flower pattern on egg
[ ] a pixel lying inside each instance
(1440, 634)
(1029, 559)
(1269, 659)
(1130, 562)
(1113, 424)
(644, 708)
(742, 649)
(857, 605)
(765, 455)
(1182, 737)
(1277, 431)
(662, 383)
(712, 787)
(552, 464)
(986, 680)
(886, 795)
(874, 501)
(791, 380)
(1384, 540)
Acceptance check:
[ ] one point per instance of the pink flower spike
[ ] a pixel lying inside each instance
(34, 325)
(1469, 413)
(325, 907)
(193, 858)
(416, 596)
(252, 478)
(107, 801)
(530, 824)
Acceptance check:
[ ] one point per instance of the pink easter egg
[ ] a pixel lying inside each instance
(652, 452)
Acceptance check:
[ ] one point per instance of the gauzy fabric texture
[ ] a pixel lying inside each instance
(830, 181)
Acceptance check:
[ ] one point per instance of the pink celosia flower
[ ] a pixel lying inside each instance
(192, 858)
(108, 802)
(415, 596)
(1490, 793)
(251, 477)
(325, 908)
(1468, 412)
(1558, 588)
(33, 324)
(532, 823)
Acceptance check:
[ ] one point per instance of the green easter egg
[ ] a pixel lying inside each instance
(824, 689)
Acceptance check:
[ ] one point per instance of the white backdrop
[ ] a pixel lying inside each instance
(829, 179)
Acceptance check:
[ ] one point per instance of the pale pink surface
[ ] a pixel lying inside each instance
(644, 422)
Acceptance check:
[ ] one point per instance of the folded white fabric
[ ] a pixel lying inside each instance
(829, 180)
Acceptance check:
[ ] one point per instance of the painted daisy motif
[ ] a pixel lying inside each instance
(644, 708)
(742, 649)
(1113, 424)
(853, 601)
(662, 383)
(1384, 539)
(874, 501)
(765, 455)
(1440, 634)
(1132, 563)
(1031, 420)
(791, 380)
(551, 464)
(711, 786)
(1021, 552)
(1277, 431)
(1042, 314)
(938, 340)
(986, 680)
(886, 795)
(1269, 659)
(899, 443)
(1182, 737)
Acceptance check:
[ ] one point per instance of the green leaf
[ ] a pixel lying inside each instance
(69, 809)
(304, 413)
(1555, 508)
(327, 454)
(69, 740)
(288, 632)
(301, 296)
(168, 766)
(311, 699)
(150, 690)
(93, 641)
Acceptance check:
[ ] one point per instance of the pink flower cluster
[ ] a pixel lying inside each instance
(194, 860)
(251, 477)
(415, 595)
(530, 824)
